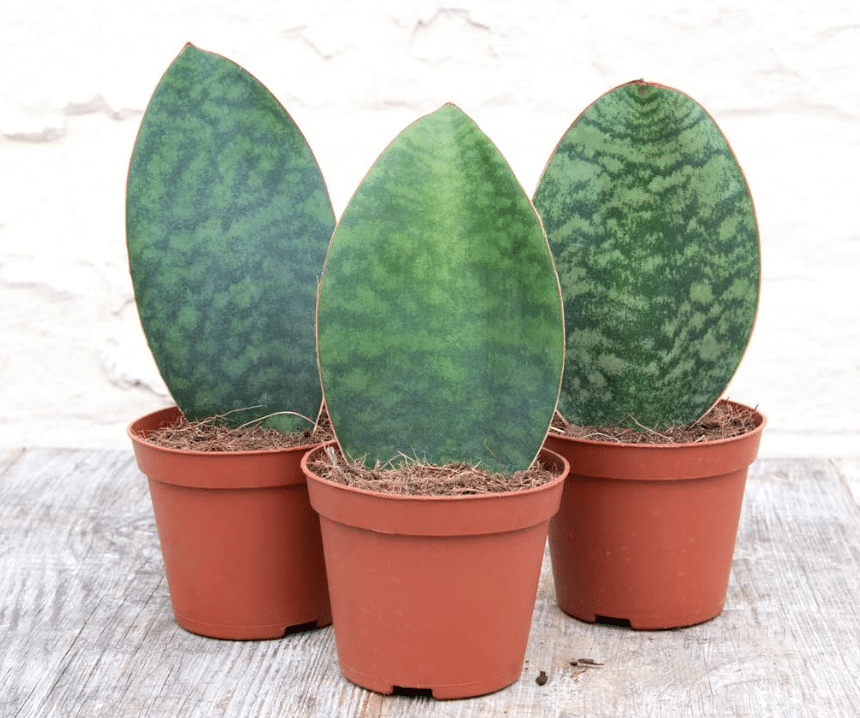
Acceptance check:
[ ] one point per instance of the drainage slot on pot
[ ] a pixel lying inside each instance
(612, 621)
(412, 692)
(301, 627)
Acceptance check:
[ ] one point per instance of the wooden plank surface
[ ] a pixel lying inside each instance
(87, 628)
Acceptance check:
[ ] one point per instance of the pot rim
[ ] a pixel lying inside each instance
(370, 493)
(139, 437)
(436, 516)
(760, 418)
(609, 460)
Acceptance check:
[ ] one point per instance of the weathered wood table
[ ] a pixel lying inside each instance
(86, 627)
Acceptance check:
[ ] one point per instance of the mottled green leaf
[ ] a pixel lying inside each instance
(440, 330)
(228, 220)
(655, 239)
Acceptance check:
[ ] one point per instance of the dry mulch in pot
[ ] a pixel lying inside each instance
(412, 478)
(723, 421)
(212, 434)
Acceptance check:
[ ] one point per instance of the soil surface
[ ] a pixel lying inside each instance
(414, 479)
(724, 421)
(211, 435)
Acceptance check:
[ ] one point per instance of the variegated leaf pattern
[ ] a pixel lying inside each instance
(440, 330)
(228, 220)
(654, 235)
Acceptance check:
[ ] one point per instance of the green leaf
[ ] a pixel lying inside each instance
(228, 220)
(440, 331)
(655, 240)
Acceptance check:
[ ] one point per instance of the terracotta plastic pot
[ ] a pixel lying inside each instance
(241, 544)
(433, 593)
(646, 532)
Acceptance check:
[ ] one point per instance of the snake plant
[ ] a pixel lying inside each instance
(228, 220)
(440, 329)
(654, 235)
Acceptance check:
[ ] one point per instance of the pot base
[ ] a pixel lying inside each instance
(644, 622)
(443, 691)
(247, 633)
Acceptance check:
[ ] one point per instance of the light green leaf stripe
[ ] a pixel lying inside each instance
(440, 331)
(655, 240)
(228, 220)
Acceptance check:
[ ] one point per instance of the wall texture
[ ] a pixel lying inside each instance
(780, 79)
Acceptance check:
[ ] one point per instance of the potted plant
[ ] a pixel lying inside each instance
(440, 344)
(654, 235)
(228, 220)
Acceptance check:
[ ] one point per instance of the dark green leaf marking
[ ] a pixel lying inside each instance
(440, 331)
(228, 220)
(655, 240)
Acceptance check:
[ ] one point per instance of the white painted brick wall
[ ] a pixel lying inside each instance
(779, 77)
